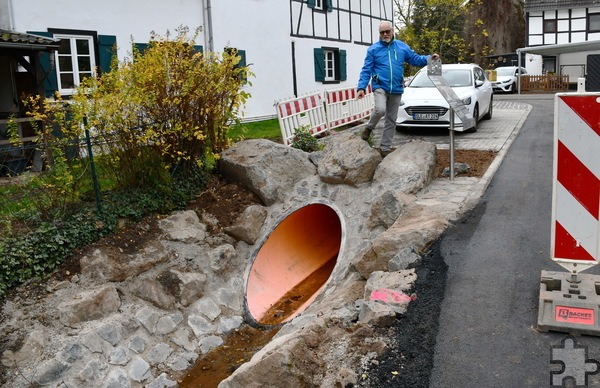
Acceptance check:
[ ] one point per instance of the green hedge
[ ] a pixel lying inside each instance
(50, 244)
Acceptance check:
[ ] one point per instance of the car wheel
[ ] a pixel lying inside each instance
(512, 88)
(488, 115)
(475, 116)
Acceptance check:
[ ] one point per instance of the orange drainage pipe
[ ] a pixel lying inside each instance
(293, 264)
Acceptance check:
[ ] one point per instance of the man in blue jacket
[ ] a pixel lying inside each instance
(384, 68)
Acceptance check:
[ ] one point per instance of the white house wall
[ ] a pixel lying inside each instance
(262, 29)
(572, 64)
(124, 19)
(352, 27)
(269, 31)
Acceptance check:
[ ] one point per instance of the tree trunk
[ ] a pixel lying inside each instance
(504, 21)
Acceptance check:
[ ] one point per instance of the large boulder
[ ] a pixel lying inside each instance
(347, 159)
(268, 169)
(416, 231)
(112, 265)
(248, 225)
(184, 226)
(410, 168)
(90, 305)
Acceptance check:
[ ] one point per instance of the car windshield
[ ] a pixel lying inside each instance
(506, 71)
(454, 77)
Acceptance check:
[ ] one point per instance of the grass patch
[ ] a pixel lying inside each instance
(266, 129)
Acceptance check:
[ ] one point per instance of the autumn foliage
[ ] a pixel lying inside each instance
(164, 112)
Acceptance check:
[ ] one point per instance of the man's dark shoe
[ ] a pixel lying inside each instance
(366, 133)
(386, 152)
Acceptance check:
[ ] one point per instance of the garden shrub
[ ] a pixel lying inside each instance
(158, 123)
(304, 140)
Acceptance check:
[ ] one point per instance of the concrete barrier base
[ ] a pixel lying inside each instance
(569, 303)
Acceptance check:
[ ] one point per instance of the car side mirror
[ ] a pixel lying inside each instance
(478, 83)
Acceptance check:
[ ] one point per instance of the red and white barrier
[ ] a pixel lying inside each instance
(340, 107)
(576, 185)
(299, 112)
(343, 107)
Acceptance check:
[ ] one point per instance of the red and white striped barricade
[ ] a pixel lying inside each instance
(298, 112)
(569, 301)
(575, 242)
(343, 108)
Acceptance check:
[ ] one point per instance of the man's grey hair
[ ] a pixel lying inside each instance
(386, 23)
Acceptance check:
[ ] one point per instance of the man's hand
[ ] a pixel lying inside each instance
(360, 94)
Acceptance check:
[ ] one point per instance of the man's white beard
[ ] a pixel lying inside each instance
(387, 40)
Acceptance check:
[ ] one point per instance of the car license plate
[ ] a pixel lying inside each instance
(425, 116)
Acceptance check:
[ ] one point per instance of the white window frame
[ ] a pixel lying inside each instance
(319, 5)
(331, 65)
(74, 55)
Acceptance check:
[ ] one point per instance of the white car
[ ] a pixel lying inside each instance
(424, 106)
(506, 79)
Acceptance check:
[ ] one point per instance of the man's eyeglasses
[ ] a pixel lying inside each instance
(385, 32)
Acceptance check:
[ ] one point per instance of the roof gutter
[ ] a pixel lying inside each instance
(26, 46)
(9, 17)
(208, 32)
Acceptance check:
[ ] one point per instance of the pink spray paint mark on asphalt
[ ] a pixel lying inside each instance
(390, 296)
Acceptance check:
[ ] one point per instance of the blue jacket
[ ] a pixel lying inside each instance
(384, 66)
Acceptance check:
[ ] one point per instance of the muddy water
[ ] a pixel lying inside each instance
(241, 344)
(220, 363)
(292, 300)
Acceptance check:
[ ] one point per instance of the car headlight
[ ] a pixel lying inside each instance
(467, 101)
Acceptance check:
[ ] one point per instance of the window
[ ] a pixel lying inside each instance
(594, 22)
(320, 5)
(74, 66)
(550, 25)
(330, 65)
(75, 60)
(549, 65)
(479, 74)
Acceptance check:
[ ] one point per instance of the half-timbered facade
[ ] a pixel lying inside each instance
(292, 47)
(564, 22)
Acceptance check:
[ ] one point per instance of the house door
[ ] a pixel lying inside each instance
(592, 79)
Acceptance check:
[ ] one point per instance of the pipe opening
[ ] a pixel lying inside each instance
(294, 264)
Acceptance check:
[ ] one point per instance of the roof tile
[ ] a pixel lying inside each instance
(21, 37)
(543, 5)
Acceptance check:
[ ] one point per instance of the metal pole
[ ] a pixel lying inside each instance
(451, 113)
(93, 166)
(519, 71)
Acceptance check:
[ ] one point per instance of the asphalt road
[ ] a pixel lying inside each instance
(487, 326)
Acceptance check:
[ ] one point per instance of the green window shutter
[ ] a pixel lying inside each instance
(311, 3)
(141, 47)
(106, 51)
(319, 55)
(343, 75)
(47, 67)
(329, 5)
(242, 55)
